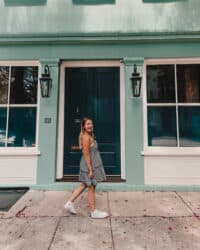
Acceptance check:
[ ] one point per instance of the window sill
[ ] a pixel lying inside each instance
(18, 152)
(171, 151)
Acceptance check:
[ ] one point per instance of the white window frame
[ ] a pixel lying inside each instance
(22, 150)
(157, 150)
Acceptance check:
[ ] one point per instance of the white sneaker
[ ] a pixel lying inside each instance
(96, 214)
(69, 206)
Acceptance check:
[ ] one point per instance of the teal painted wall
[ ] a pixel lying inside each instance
(46, 172)
(163, 21)
(134, 164)
(100, 51)
(90, 16)
(133, 108)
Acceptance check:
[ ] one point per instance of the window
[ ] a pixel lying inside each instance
(173, 105)
(18, 105)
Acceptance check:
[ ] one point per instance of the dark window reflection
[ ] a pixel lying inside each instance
(160, 83)
(189, 126)
(4, 79)
(162, 126)
(188, 81)
(23, 85)
(3, 118)
(22, 127)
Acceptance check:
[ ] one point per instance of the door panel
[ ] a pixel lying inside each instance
(92, 92)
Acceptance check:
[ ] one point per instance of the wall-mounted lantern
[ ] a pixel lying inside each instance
(46, 82)
(136, 80)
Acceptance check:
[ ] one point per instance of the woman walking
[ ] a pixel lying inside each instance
(91, 170)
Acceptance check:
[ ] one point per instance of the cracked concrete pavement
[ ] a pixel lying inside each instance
(139, 220)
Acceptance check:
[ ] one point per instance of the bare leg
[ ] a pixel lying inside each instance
(91, 198)
(77, 192)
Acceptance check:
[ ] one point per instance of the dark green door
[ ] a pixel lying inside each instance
(92, 92)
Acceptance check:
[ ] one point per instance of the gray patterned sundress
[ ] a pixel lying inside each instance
(97, 165)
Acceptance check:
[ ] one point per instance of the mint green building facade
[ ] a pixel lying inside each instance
(78, 33)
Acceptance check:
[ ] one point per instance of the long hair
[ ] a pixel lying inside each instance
(84, 120)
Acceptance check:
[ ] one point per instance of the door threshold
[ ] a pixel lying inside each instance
(74, 178)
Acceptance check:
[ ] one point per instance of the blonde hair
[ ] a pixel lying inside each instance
(84, 120)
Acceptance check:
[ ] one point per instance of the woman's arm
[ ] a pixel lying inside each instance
(86, 142)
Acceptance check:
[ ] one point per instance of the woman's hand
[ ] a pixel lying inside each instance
(91, 174)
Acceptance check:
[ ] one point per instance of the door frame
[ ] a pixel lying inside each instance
(60, 145)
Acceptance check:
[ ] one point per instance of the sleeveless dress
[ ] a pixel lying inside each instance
(97, 165)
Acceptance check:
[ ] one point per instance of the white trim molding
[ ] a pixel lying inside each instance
(18, 165)
(18, 169)
(163, 150)
(172, 170)
(19, 63)
(169, 165)
(17, 150)
(70, 64)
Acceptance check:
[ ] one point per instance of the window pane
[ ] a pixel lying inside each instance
(4, 78)
(22, 127)
(188, 81)
(23, 85)
(189, 126)
(160, 83)
(3, 116)
(162, 126)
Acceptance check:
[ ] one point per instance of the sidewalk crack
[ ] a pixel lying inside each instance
(54, 233)
(110, 221)
(194, 214)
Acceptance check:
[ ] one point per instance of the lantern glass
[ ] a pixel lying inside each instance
(136, 82)
(136, 87)
(45, 84)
